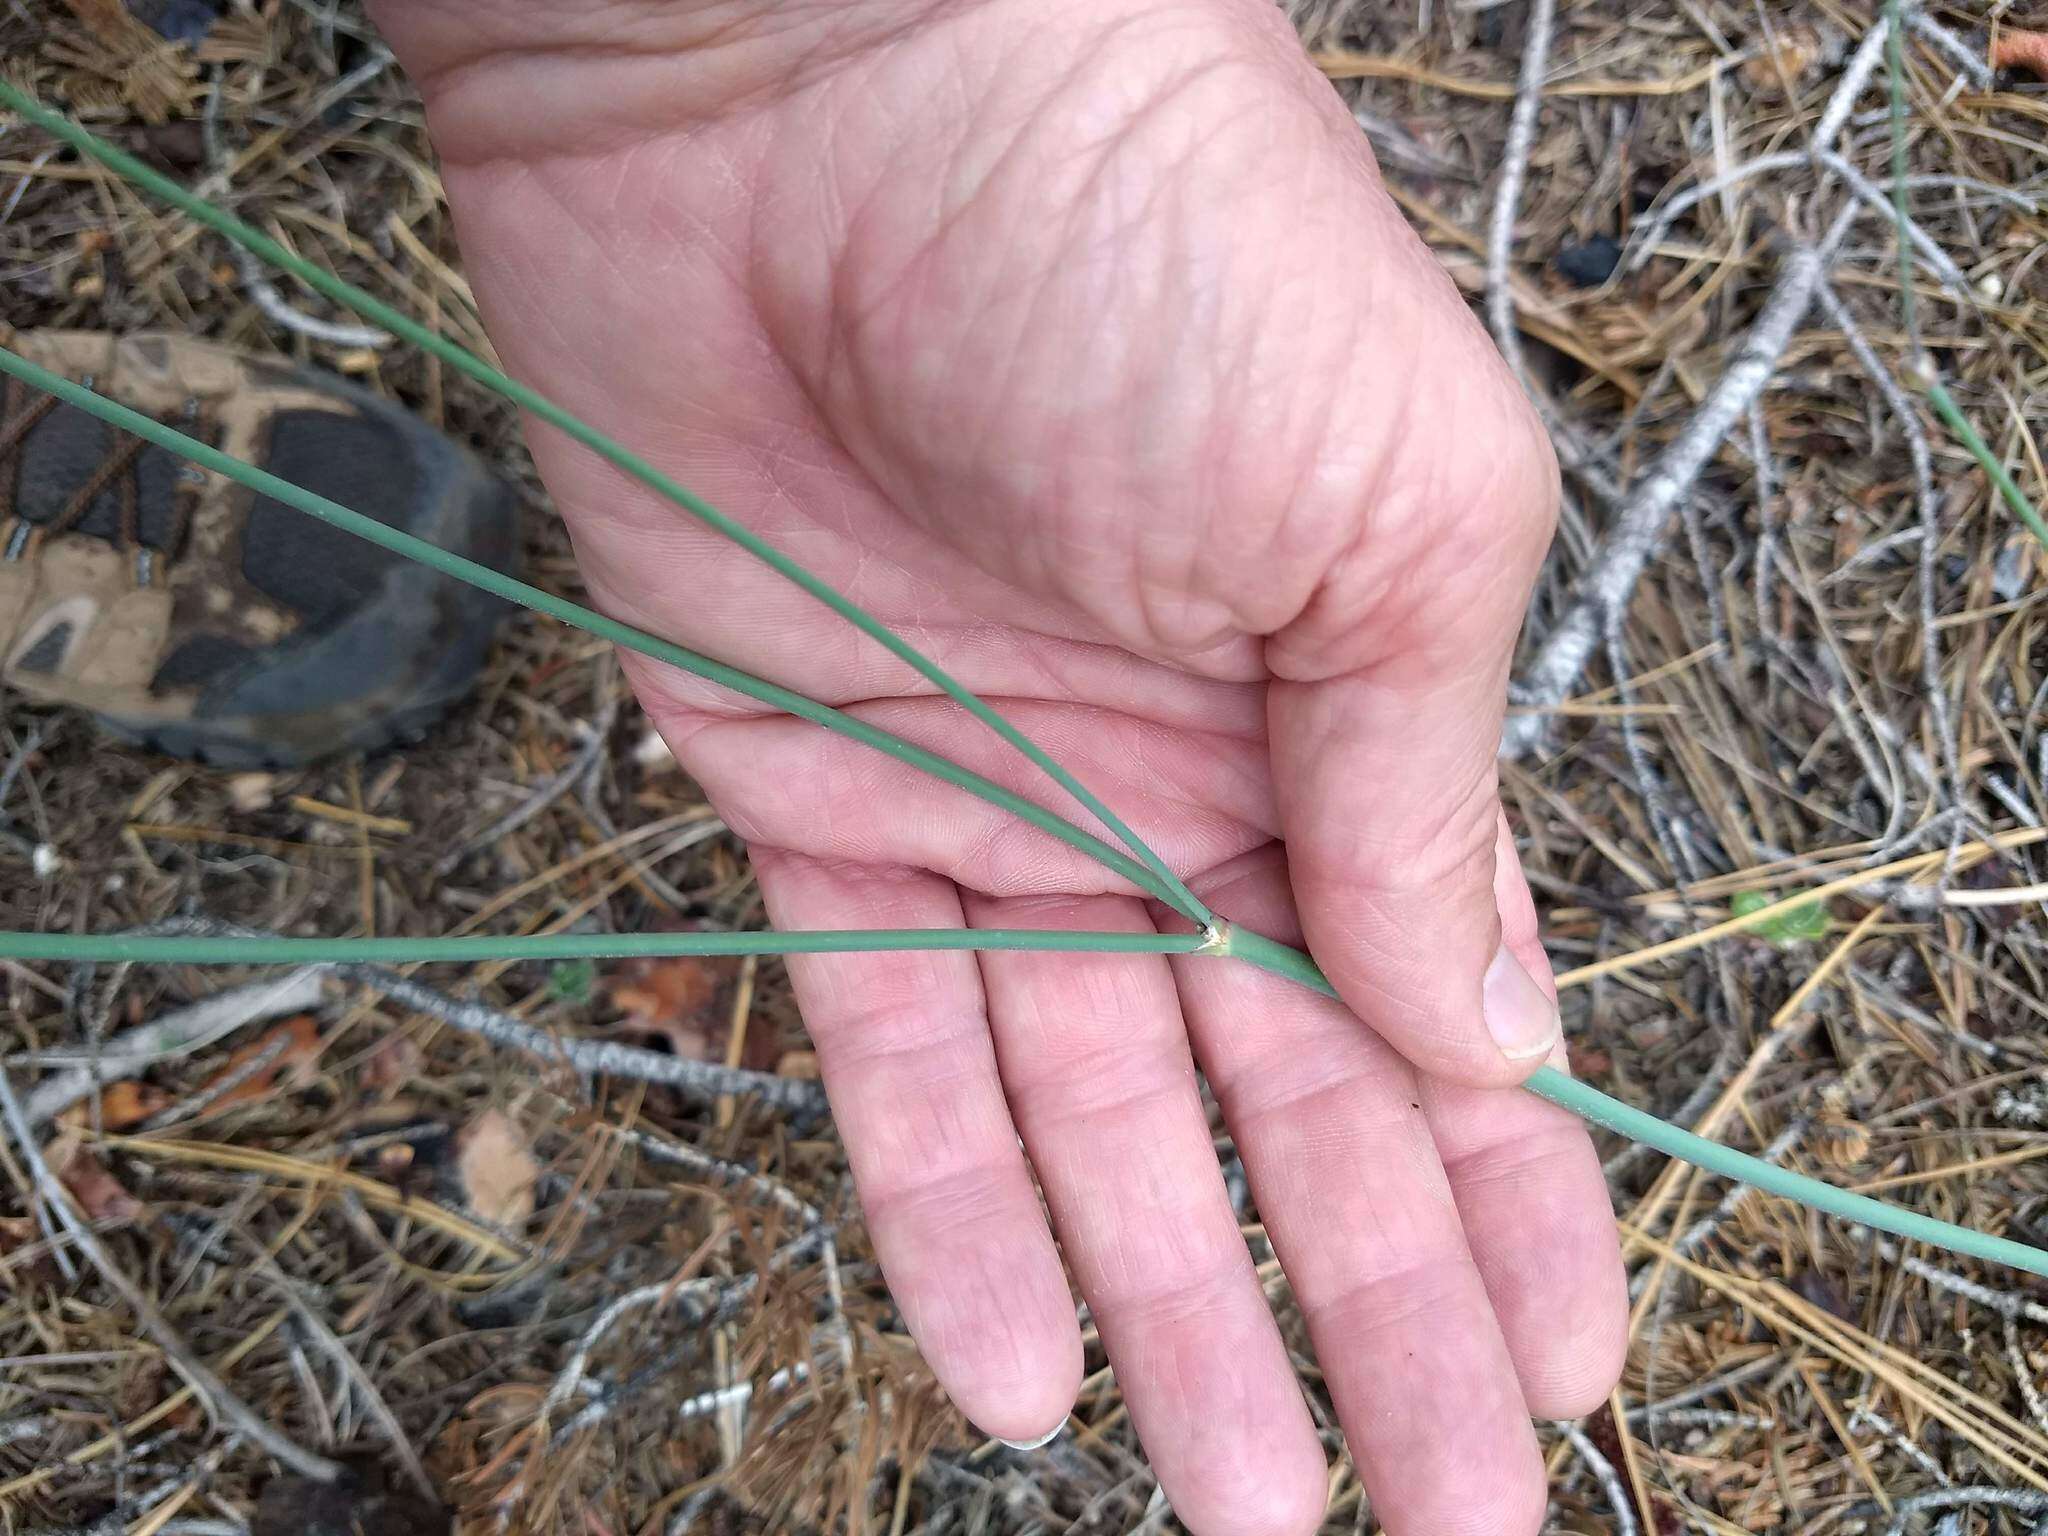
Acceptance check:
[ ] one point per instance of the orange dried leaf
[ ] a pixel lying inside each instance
(98, 1193)
(123, 1104)
(497, 1169)
(1792, 52)
(296, 1046)
(2017, 48)
(676, 999)
(108, 20)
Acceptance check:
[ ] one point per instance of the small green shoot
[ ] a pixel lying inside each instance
(1806, 923)
(572, 981)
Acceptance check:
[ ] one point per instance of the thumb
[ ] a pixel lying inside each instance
(1402, 865)
(1399, 855)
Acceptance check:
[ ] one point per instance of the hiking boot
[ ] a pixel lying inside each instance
(197, 617)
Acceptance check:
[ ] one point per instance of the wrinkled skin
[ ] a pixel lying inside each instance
(1079, 342)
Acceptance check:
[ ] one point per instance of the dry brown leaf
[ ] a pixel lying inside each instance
(497, 1169)
(98, 1193)
(686, 1002)
(2017, 48)
(121, 1105)
(1792, 53)
(293, 1047)
(392, 1065)
(678, 1000)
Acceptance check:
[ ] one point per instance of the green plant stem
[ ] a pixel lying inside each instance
(153, 949)
(1937, 393)
(1587, 1102)
(587, 619)
(1590, 1104)
(612, 451)
(1953, 418)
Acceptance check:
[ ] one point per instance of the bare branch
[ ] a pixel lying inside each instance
(1608, 1479)
(1507, 198)
(1637, 532)
(172, 1034)
(210, 1389)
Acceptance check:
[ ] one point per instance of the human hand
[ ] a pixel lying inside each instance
(1077, 340)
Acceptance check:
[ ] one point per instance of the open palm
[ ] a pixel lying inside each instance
(1079, 343)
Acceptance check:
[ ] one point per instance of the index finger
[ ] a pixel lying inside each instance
(904, 1049)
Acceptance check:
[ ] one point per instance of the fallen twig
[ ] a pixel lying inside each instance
(703, 1080)
(2023, 1373)
(667, 1292)
(1638, 529)
(176, 1033)
(1507, 197)
(1960, 53)
(1867, 1415)
(591, 1058)
(2028, 1501)
(1605, 1475)
(1929, 508)
(210, 1389)
(2005, 1303)
(255, 282)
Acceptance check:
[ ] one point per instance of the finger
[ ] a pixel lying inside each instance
(1536, 1210)
(1384, 743)
(1357, 1206)
(1096, 1062)
(1536, 1215)
(903, 1045)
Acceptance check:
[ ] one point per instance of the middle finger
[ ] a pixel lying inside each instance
(1095, 1062)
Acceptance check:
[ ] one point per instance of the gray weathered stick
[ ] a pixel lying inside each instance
(171, 1034)
(700, 1079)
(593, 1058)
(1929, 507)
(211, 1390)
(1507, 197)
(1609, 1480)
(1638, 529)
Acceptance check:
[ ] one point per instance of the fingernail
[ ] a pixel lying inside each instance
(1519, 1014)
(1031, 1445)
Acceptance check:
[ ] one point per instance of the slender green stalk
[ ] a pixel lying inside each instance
(613, 452)
(588, 619)
(1953, 418)
(1590, 1104)
(1586, 1102)
(156, 949)
(1937, 393)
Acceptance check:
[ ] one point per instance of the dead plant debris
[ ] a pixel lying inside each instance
(661, 1312)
